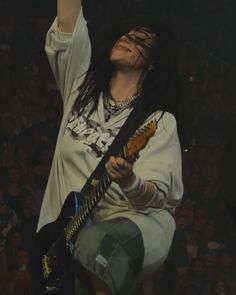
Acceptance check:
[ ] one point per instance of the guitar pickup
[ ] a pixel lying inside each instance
(46, 263)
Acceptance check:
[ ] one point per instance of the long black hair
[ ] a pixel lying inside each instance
(159, 87)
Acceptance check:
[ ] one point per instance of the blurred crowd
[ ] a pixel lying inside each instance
(202, 259)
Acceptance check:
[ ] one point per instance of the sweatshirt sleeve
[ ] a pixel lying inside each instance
(161, 163)
(69, 55)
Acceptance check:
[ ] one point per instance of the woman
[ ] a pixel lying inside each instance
(13, 189)
(132, 230)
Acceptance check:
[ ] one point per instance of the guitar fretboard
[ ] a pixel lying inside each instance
(90, 201)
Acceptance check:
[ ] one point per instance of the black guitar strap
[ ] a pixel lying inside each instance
(137, 116)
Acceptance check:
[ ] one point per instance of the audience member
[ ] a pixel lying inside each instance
(18, 280)
(195, 282)
(8, 219)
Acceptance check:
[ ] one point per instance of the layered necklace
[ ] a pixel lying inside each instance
(113, 107)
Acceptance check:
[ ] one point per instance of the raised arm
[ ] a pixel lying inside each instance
(67, 12)
(68, 47)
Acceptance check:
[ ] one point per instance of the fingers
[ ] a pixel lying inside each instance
(118, 164)
(123, 164)
(119, 169)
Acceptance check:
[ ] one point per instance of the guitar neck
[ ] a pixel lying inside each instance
(89, 203)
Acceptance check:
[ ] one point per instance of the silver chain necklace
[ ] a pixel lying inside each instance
(112, 106)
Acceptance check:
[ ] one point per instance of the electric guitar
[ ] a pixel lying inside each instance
(51, 258)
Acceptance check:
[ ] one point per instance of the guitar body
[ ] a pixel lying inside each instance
(50, 240)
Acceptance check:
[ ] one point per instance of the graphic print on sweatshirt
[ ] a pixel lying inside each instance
(90, 133)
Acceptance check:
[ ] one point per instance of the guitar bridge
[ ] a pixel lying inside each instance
(47, 269)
